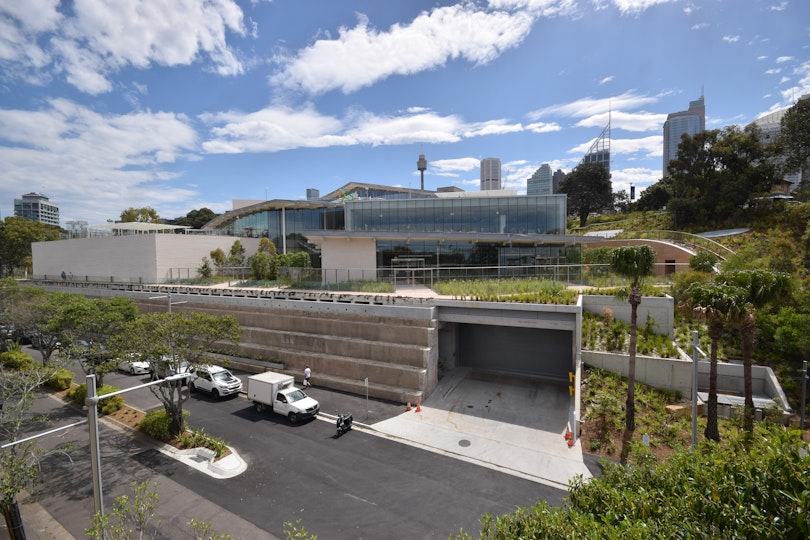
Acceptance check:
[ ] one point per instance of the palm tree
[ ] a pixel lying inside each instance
(761, 287)
(717, 305)
(634, 263)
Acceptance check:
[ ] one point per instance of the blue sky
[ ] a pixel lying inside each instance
(184, 104)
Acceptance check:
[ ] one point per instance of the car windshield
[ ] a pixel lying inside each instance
(222, 375)
(297, 395)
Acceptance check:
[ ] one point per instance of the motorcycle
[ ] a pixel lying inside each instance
(344, 424)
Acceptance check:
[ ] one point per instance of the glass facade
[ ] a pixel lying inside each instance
(511, 216)
(500, 215)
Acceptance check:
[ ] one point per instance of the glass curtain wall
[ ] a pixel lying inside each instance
(541, 214)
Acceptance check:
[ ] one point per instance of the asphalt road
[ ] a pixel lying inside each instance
(357, 486)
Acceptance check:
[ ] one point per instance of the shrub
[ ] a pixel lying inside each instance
(105, 406)
(198, 438)
(156, 424)
(61, 380)
(16, 360)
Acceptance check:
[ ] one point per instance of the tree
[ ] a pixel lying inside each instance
(236, 257)
(86, 325)
(761, 287)
(728, 491)
(654, 197)
(589, 190)
(16, 236)
(634, 263)
(794, 139)
(174, 338)
(147, 214)
(717, 305)
(716, 173)
(19, 463)
(196, 219)
(218, 256)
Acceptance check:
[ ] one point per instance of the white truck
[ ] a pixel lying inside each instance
(278, 392)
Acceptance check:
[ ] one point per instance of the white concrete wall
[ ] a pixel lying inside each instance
(676, 374)
(660, 308)
(349, 259)
(143, 258)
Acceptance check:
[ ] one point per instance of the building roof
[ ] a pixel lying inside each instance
(137, 227)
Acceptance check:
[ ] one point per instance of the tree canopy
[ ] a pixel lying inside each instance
(147, 214)
(589, 190)
(716, 173)
(196, 218)
(794, 137)
(16, 236)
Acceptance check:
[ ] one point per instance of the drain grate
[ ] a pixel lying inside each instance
(464, 443)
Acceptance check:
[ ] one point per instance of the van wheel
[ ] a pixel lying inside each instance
(293, 418)
(215, 393)
(259, 406)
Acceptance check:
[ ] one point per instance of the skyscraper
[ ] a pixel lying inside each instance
(556, 178)
(690, 122)
(599, 152)
(540, 182)
(490, 173)
(35, 206)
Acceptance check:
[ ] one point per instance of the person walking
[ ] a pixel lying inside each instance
(307, 375)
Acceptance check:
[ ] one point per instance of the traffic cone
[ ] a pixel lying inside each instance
(568, 435)
(419, 405)
(408, 408)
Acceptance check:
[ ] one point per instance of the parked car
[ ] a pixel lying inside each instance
(134, 365)
(215, 380)
(165, 368)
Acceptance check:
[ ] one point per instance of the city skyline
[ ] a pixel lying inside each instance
(184, 105)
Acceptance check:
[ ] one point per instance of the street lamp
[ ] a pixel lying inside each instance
(91, 402)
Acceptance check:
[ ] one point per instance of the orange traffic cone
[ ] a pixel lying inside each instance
(568, 435)
(408, 408)
(418, 405)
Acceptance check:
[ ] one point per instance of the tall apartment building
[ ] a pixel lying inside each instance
(540, 182)
(490, 174)
(771, 126)
(556, 180)
(35, 206)
(689, 122)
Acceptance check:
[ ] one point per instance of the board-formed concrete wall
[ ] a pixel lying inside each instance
(661, 309)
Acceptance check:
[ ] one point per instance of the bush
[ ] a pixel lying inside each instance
(105, 406)
(16, 360)
(61, 380)
(198, 438)
(156, 424)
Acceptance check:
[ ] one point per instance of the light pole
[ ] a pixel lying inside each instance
(91, 402)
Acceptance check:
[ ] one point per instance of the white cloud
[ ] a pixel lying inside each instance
(103, 36)
(731, 39)
(783, 59)
(592, 106)
(639, 122)
(637, 6)
(773, 71)
(362, 55)
(606, 80)
(452, 167)
(75, 155)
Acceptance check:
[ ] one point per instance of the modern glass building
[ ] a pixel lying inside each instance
(540, 182)
(411, 228)
(689, 122)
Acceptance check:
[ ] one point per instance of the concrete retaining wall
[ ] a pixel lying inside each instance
(660, 309)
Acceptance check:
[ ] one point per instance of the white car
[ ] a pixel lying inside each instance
(215, 380)
(134, 366)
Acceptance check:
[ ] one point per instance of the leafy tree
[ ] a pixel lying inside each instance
(196, 218)
(174, 338)
(589, 190)
(205, 270)
(714, 491)
(130, 514)
(703, 261)
(19, 464)
(16, 236)
(86, 325)
(794, 139)
(218, 256)
(634, 263)
(147, 214)
(717, 305)
(236, 257)
(654, 197)
(761, 287)
(716, 173)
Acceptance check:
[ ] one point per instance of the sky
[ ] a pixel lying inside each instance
(185, 104)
